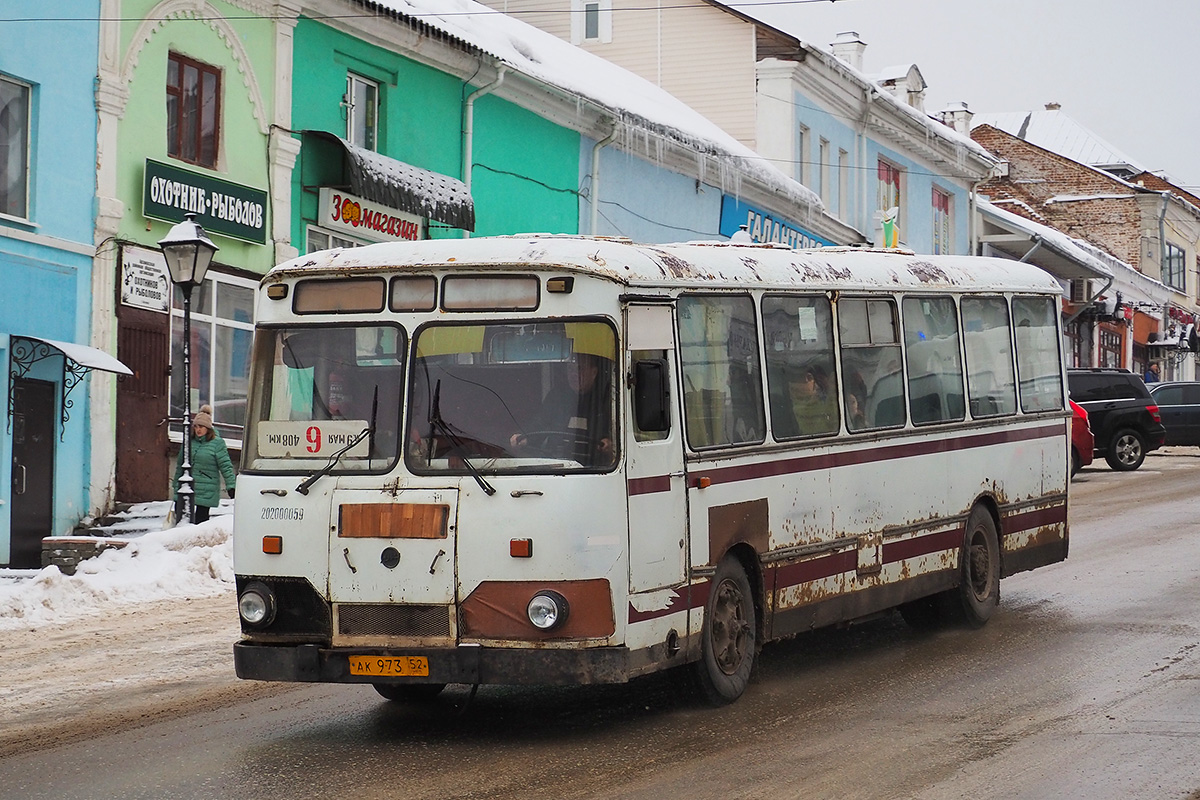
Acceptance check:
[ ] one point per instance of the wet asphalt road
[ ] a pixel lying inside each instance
(1086, 683)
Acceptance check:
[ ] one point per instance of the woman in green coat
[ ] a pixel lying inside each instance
(210, 462)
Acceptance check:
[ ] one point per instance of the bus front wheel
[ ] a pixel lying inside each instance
(729, 638)
(979, 591)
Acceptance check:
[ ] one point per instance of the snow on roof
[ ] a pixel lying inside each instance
(636, 102)
(1131, 281)
(1055, 131)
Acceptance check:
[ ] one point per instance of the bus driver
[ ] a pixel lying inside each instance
(575, 418)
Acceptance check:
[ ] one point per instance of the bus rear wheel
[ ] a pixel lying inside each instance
(729, 638)
(979, 590)
(409, 692)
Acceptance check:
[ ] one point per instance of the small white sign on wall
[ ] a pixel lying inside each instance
(145, 281)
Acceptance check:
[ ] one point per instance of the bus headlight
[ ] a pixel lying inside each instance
(548, 610)
(257, 605)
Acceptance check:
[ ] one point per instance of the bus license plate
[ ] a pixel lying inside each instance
(389, 666)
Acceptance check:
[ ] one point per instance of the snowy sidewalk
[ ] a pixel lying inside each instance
(135, 634)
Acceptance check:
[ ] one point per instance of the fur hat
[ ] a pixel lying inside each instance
(204, 417)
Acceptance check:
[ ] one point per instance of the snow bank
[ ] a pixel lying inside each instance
(176, 564)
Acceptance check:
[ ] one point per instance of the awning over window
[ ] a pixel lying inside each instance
(385, 180)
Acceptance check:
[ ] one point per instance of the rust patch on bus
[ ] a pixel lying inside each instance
(928, 273)
(675, 266)
(497, 610)
(1047, 534)
(738, 522)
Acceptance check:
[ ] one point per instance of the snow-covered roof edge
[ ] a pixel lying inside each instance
(629, 99)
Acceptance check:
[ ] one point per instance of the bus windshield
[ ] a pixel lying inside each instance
(317, 389)
(524, 397)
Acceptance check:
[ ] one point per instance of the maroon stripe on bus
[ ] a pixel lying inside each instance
(657, 483)
(788, 466)
(1016, 523)
(815, 569)
(694, 596)
(922, 545)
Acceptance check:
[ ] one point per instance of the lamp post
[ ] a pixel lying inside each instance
(188, 252)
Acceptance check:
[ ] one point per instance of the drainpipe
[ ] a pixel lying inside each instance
(973, 222)
(864, 172)
(469, 129)
(596, 148)
(1162, 233)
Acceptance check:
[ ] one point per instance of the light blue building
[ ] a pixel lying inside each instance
(47, 210)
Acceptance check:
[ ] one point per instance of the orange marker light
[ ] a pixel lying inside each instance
(273, 545)
(703, 483)
(520, 548)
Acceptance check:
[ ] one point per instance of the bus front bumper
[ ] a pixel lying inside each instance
(466, 663)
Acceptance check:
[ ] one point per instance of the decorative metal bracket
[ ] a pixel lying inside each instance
(24, 355)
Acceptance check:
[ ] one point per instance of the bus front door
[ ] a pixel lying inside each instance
(655, 468)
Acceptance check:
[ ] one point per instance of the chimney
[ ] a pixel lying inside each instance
(849, 48)
(1053, 106)
(957, 116)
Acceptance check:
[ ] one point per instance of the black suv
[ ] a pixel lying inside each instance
(1121, 412)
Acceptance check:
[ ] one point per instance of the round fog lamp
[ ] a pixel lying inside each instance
(547, 610)
(257, 605)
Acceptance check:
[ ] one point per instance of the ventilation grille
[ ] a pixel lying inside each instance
(393, 620)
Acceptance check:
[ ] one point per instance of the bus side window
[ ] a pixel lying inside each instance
(931, 343)
(1038, 360)
(801, 370)
(873, 386)
(991, 384)
(722, 382)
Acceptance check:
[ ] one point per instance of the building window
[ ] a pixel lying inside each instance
(823, 186)
(193, 111)
(843, 183)
(319, 239)
(1110, 348)
(222, 329)
(14, 148)
(591, 21)
(362, 112)
(1172, 271)
(941, 222)
(889, 202)
(802, 154)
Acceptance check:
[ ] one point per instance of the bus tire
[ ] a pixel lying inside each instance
(979, 589)
(409, 692)
(1126, 451)
(729, 638)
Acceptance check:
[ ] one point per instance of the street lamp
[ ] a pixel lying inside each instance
(188, 252)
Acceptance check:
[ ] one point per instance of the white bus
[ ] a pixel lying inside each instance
(569, 460)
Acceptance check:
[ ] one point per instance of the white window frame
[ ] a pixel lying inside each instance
(212, 322)
(579, 13)
(27, 142)
(823, 187)
(943, 229)
(353, 112)
(331, 239)
(802, 137)
(1174, 271)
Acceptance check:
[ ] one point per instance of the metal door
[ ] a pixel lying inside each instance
(141, 408)
(656, 481)
(32, 471)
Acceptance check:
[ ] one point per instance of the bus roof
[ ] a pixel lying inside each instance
(689, 265)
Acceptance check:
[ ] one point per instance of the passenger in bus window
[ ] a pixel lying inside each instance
(576, 415)
(856, 402)
(812, 406)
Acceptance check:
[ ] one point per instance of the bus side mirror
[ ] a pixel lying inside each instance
(651, 395)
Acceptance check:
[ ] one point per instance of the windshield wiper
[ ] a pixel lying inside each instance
(333, 460)
(436, 422)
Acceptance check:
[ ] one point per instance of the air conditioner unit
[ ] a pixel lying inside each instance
(1079, 291)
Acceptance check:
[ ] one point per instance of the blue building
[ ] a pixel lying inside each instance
(47, 210)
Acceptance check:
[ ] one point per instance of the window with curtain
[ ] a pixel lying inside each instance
(193, 111)
(14, 148)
